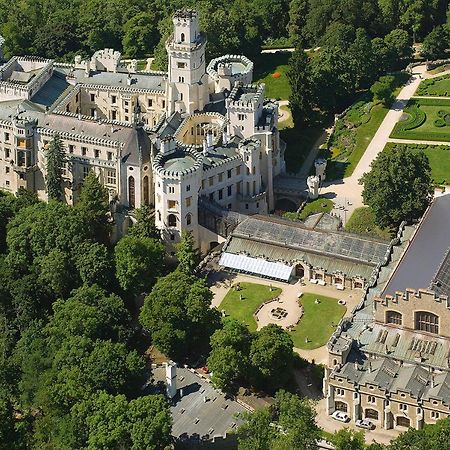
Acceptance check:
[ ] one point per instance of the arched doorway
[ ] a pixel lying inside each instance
(131, 192)
(340, 406)
(172, 220)
(371, 414)
(403, 422)
(146, 190)
(299, 271)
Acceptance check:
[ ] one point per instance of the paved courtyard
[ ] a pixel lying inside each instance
(290, 306)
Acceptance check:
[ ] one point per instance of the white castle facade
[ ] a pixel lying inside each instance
(153, 138)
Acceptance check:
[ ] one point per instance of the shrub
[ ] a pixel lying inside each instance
(439, 123)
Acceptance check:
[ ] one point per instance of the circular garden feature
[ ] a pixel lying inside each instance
(443, 119)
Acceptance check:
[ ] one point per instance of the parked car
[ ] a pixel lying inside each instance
(365, 423)
(341, 416)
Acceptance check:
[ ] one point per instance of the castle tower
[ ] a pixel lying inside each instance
(321, 166)
(313, 187)
(187, 83)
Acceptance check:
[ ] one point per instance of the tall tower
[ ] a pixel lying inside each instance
(187, 73)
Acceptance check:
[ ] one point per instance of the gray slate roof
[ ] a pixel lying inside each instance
(426, 253)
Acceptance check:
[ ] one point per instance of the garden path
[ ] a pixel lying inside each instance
(414, 141)
(283, 114)
(347, 193)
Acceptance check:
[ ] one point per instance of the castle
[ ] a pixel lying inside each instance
(153, 138)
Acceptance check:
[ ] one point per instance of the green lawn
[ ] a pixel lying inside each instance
(421, 118)
(253, 295)
(438, 156)
(266, 64)
(439, 87)
(318, 323)
(289, 123)
(362, 221)
(319, 205)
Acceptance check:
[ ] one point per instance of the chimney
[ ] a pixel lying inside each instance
(171, 379)
(225, 138)
(209, 140)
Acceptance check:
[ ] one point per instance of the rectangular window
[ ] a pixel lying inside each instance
(71, 148)
(220, 177)
(188, 202)
(109, 155)
(230, 190)
(7, 169)
(113, 115)
(7, 152)
(229, 174)
(434, 415)
(340, 392)
(7, 182)
(126, 103)
(6, 137)
(171, 204)
(113, 99)
(93, 112)
(163, 103)
(211, 181)
(92, 97)
(241, 116)
(111, 177)
(181, 65)
(403, 407)
(220, 194)
(150, 103)
(86, 170)
(371, 399)
(83, 151)
(203, 184)
(188, 188)
(97, 153)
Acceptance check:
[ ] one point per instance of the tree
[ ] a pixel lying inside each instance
(94, 264)
(382, 90)
(178, 315)
(188, 256)
(139, 262)
(256, 433)
(299, 76)
(55, 162)
(145, 224)
(271, 355)
(107, 421)
(436, 43)
(140, 35)
(398, 187)
(229, 357)
(7, 432)
(92, 205)
(57, 273)
(399, 45)
(346, 439)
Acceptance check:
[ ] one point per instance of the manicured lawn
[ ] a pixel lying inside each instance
(253, 295)
(439, 87)
(438, 156)
(421, 118)
(362, 221)
(319, 205)
(318, 323)
(266, 64)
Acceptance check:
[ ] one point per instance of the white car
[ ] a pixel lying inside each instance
(365, 423)
(341, 416)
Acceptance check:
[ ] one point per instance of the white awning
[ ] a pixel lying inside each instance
(256, 266)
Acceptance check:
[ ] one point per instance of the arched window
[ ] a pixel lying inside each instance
(146, 190)
(182, 37)
(172, 220)
(403, 421)
(131, 192)
(371, 414)
(159, 216)
(340, 406)
(426, 321)
(393, 317)
(188, 219)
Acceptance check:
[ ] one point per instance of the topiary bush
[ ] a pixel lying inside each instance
(439, 123)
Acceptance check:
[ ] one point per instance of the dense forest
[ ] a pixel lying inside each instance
(58, 29)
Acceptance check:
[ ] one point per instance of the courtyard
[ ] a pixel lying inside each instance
(316, 321)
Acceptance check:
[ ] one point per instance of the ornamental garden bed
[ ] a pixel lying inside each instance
(424, 119)
(439, 87)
